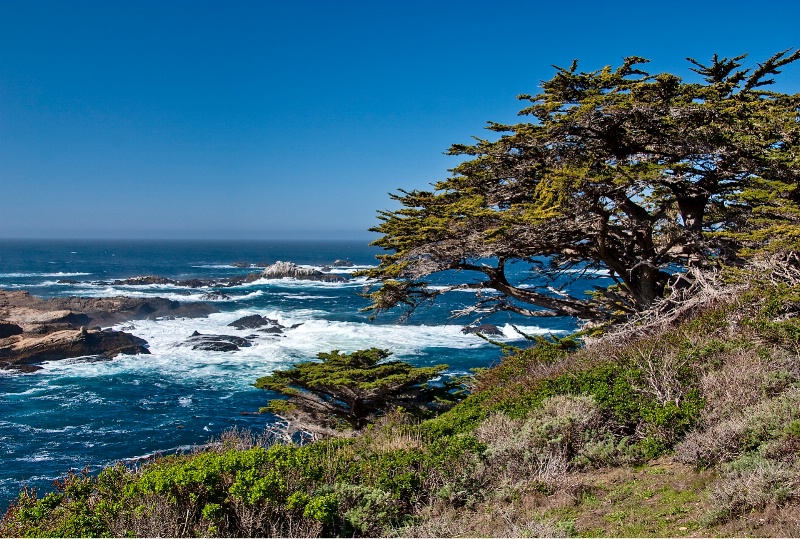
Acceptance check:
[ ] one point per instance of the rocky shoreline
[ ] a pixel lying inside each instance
(33, 330)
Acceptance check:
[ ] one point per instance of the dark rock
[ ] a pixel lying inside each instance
(342, 264)
(144, 280)
(7, 330)
(67, 281)
(155, 279)
(74, 319)
(253, 321)
(241, 264)
(272, 331)
(215, 296)
(193, 283)
(483, 329)
(216, 343)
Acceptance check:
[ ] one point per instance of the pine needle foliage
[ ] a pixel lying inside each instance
(635, 173)
(350, 390)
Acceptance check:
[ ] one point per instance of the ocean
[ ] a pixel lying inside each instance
(85, 414)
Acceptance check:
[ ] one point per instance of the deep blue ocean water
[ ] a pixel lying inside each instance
(82, 412)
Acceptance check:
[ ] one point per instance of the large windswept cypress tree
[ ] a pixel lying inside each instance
(615, 169)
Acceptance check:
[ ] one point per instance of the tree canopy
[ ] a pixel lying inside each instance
(615, 169)
(352, 389)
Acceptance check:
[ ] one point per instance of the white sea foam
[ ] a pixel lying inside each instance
(41, 456)
(105, 291)
(341, 270)
(511, 333)
(172, 361)
(289, 282)
(251, 295)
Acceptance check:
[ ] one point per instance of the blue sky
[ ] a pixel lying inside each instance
(294, 119)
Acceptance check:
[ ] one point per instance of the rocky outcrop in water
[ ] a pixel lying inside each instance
(33, 329)
(268, 326)
(28, 311)
(283, 270)
(483, 329)
(253, 321)
(216, 343)
(145, 280)
(22, 352)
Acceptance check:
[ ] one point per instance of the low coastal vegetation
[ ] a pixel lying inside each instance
(683, 422)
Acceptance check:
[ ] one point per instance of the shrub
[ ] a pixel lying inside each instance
(752, 482)
(742, 433)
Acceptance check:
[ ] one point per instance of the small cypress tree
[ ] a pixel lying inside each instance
(350, 390)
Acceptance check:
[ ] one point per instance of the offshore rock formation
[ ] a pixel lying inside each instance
(483, 329)
(282, 270)
(21, 308)
(269, 327)
(253, 321)
(216, 343)
(22, 352)
(33, 329)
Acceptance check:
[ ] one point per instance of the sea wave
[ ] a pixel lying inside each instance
(290, 282)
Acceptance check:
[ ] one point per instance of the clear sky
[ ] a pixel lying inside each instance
(266, 119)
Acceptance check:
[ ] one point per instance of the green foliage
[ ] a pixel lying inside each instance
(353, 389)
(619, 169)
